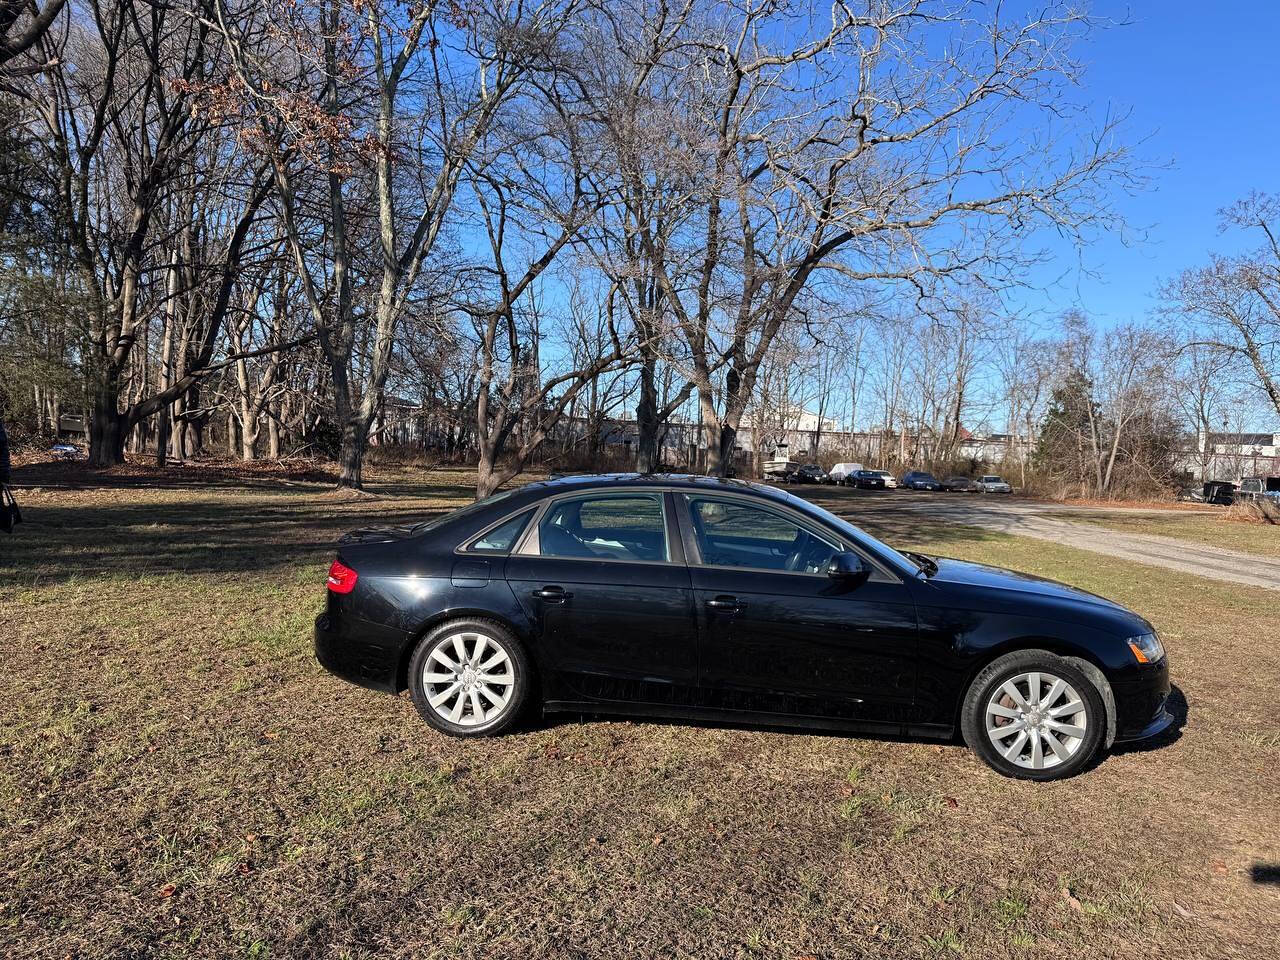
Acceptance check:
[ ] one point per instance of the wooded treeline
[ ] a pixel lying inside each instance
(285, 218)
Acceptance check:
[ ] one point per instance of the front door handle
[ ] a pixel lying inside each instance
(726, 604)
(552, 594)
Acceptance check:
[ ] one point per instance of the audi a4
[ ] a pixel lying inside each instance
(721, 600)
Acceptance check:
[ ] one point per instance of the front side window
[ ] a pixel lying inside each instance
(731, 533)
(624, 527)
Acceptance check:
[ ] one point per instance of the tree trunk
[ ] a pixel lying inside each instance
(710, 445)
(647, 420)
(107, 426)
(488, 479)
(273, 435)
(724, 451)
(355, 437)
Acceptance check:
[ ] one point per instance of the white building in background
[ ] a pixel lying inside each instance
(1230, 456)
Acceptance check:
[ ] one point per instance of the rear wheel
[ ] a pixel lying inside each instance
(470, 677)
(1033, 715)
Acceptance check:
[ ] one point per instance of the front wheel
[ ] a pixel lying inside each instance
(470, 677)
(1034, 716)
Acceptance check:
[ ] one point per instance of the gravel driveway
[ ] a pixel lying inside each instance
(1036, 519)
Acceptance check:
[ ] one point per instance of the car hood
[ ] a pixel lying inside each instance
(962, 572)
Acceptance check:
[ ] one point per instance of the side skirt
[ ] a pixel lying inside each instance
(925, 731)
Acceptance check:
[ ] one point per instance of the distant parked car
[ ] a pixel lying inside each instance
(890, 481)
(810, 473)
(842, 473)
(1221, 492)
(65, 451)
(920, 480)
(993, 484)
(1255, 488)
(959, 485)
(869, 480)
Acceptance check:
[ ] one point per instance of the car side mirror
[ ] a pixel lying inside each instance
(849, 569)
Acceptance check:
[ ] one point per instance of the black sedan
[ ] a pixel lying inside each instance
(810, 473)
(869, 480)
(690, 597)
(920, 480)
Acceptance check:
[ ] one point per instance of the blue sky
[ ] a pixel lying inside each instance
(1203, 83)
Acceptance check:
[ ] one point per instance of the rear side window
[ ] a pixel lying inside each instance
(628, 527)
(502, 538)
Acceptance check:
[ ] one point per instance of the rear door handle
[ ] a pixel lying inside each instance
(552, 594)
(726, 604)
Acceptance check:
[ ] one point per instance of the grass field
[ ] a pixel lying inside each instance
(1212, 529)
(181, 779)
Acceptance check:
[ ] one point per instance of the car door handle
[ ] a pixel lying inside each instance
(552, 594)
(726, 604)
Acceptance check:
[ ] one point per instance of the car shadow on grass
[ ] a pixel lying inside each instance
(1176, 705)
(571, 718)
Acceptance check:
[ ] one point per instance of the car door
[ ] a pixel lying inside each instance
(602, 578)
(776, 634)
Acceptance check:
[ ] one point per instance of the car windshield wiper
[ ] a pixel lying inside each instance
(926, 565)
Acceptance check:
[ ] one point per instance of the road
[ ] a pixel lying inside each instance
(1027, 518)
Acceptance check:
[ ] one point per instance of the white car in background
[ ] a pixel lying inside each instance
(842, 473)
(992, 484)
(890, 481)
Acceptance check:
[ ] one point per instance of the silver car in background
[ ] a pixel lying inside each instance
(992, 484)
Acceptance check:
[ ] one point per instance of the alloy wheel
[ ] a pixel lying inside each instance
(468, 679)
(1036, 720)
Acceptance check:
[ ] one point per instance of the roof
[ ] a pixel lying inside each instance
(592, 481)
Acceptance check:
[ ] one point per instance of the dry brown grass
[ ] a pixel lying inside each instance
(180, 779)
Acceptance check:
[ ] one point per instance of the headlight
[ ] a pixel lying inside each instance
(1146, 648)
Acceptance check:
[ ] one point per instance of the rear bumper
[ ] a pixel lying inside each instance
(1142, 705)
(361, 652)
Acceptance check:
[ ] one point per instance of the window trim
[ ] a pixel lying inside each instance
(529, 543)
(693, 555)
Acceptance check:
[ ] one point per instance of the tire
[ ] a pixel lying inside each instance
(433, 676)
(1027, 752)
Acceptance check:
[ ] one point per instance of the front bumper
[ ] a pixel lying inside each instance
(361, 652)
(1142, 704)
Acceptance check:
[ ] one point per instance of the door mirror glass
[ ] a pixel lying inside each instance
(849, 568)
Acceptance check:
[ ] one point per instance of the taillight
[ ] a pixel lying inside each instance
(342, 579)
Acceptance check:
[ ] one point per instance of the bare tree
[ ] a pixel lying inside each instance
(121, 130)
(861, 149)
(1234, 302)
(406, 99)
(23, 23)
